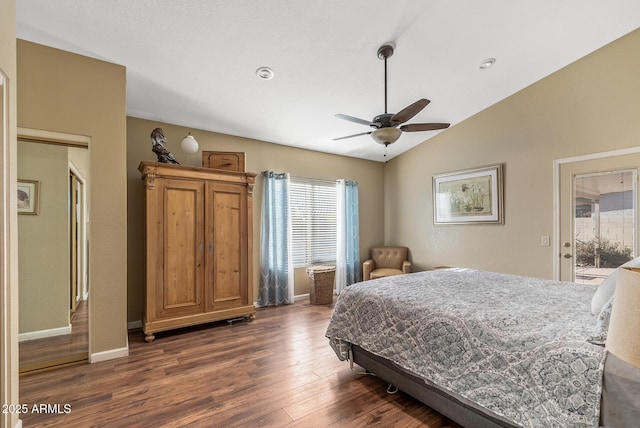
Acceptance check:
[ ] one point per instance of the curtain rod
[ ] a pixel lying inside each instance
(309, 179)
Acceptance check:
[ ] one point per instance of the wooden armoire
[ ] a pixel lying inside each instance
(198, 246)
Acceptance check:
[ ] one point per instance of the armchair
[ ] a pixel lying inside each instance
(386, 261)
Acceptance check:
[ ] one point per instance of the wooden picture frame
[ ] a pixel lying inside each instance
(28, 197)
(471, 196)
(226, 161)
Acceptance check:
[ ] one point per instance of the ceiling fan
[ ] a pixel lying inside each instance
(388, 126)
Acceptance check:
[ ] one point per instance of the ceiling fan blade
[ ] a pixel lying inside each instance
(409, 111)
(354, 119)
(351, 136)
(414, 127)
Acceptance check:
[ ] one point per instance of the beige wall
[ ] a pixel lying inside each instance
(8, 215)
(44, 240)
(260, 156)
(63, 92)
(588, 107)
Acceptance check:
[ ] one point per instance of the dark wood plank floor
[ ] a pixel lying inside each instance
(273, 372)
(50, 350)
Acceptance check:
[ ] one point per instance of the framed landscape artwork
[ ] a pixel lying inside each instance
(28, 197)
(470, 196)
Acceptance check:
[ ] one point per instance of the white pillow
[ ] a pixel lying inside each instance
(604, 292)
(608, 286)
(602, 324)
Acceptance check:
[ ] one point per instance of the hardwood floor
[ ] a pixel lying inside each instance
(276, 371)
(58, 350)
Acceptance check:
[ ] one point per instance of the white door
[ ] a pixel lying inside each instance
(598, 208)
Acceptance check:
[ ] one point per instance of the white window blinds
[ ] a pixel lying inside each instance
(313, 221)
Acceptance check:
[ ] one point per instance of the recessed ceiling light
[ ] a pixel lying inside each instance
(487, 63)
(265, 73)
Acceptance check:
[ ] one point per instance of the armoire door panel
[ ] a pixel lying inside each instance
(228, 284)
(182, 285)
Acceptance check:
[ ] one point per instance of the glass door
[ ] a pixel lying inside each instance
(598, 217)
(604, 223)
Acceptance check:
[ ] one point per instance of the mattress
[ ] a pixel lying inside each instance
(517, 346)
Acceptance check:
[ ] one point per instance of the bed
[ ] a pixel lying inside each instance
(485, 349)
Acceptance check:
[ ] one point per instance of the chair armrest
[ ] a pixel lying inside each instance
(368, 267)
(406, 266)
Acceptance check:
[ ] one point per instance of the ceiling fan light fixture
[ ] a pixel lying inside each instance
(386, 135)
(387, 125)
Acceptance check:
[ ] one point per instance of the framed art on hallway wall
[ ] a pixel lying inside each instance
(28, 197)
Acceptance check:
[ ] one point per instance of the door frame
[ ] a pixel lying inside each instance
(557, 163)
(82, 256)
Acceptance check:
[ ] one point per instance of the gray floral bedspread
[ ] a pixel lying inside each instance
(515, 345)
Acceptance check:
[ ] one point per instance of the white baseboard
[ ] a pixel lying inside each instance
(295, 299)
(40, 334)
(300, 297)
(109, 355)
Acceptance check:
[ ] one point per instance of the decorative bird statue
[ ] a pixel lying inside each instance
(157, 140)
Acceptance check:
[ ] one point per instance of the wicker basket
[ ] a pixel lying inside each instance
(321, 280)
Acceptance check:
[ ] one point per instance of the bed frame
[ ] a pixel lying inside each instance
(457, 409)
(620, 405)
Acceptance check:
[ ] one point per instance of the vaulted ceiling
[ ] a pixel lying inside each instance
(193, 62)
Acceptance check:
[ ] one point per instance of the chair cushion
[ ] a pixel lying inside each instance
(389, 257)
(379, 273)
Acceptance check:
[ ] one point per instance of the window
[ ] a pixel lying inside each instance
(313, 221)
